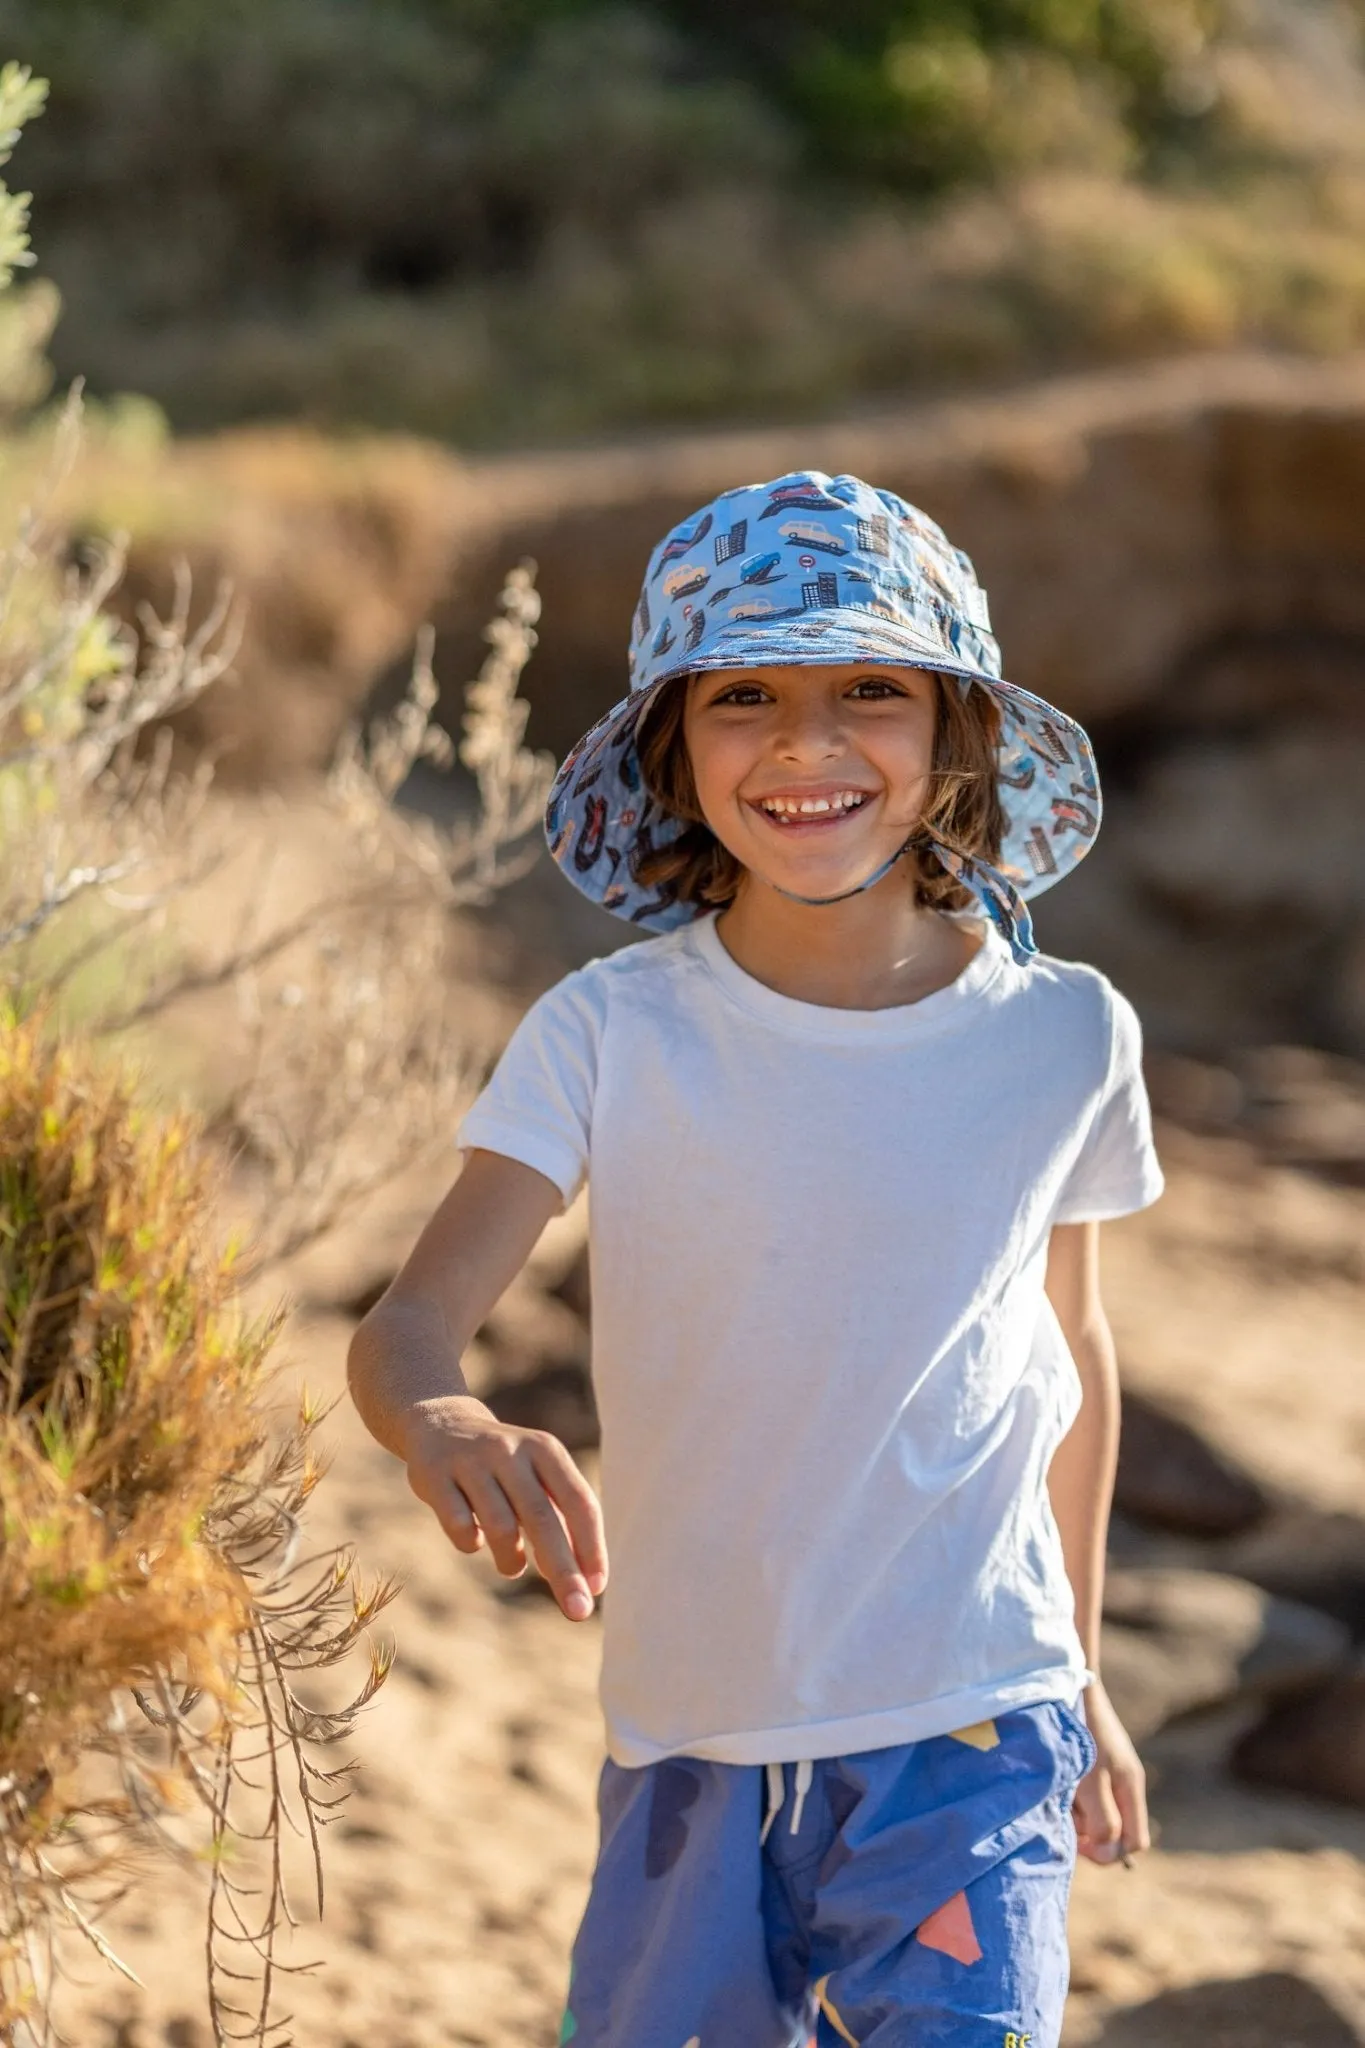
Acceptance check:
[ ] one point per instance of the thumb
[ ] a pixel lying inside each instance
(1099, 1825)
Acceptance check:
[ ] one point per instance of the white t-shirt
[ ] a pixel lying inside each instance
(829, 1379)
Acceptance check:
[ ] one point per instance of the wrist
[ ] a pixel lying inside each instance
(444, 1415)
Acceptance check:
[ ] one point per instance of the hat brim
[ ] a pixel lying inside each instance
(836, 637)
(600, 817)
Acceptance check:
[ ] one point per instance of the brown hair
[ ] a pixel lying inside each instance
(963, 808)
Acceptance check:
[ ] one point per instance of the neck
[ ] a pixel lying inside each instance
(872, 951)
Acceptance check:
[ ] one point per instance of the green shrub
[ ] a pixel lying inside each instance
(149, 1515)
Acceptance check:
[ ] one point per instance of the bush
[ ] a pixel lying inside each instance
(149, 1518)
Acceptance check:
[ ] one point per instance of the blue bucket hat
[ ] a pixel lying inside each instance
(813, 568)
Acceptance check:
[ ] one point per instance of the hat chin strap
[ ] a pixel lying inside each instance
(816, 901)
(996, 894)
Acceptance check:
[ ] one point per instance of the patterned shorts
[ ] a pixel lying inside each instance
(912, 1897)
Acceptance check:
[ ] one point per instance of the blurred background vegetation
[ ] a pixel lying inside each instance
(502, 221)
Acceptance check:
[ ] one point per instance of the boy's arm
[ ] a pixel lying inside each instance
(1111, 1803)
(486, 1481)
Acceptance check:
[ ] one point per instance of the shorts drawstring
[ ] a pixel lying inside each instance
(805, 1774)
(777, 1792)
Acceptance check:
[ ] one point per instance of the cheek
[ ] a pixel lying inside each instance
(720, 762)
(904, 752)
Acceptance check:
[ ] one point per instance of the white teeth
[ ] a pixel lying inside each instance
(812, 806)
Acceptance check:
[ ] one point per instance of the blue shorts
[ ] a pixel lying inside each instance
(900, 1898)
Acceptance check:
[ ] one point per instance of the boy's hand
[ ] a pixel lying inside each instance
(1110, 1807)
(490, 1483)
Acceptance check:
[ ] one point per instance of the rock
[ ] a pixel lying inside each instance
(1314, 1744)
(1230, 826)
(1307, 1109)
(1296, 1106)
(1273, 2009)
(1306, 1554)
(1171, 1477)
(1195, 1093)
(1176, 1640)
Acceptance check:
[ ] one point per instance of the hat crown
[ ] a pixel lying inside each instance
(792, 552)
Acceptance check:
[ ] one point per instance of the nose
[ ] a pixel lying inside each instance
(809, 731)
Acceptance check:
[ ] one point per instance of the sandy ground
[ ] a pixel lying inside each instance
(457, 1870)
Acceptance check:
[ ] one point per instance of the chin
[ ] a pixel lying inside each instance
(821, 882)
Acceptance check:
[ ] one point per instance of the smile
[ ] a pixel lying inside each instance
(826, 808)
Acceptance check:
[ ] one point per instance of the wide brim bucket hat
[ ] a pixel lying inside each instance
(817, 569)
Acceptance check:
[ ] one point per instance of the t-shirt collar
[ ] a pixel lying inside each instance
(819, 1020)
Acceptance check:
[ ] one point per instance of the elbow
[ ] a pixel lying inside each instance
(1092, 1348)
(364, 1354)
(1094, 1342)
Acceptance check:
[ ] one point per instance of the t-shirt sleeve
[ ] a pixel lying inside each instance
(1116, 1170)
(537, 1105)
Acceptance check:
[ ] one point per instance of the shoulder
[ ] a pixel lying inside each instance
(631, 975)
(633, 971)
(1077, 1006)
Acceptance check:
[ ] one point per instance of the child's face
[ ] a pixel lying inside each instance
(854, 745)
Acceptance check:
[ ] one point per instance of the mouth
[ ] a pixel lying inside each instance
(818, 810)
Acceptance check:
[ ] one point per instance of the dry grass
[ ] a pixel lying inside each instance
(353, 1054)
(80, 805)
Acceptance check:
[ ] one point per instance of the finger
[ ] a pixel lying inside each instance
(497, 1518)
(456, 1517)
(1099, 1825)
(1130, 1792)
(438, 1492)
(578, 1505)
(549, 1539)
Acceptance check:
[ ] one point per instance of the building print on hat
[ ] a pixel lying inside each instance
(843, 573)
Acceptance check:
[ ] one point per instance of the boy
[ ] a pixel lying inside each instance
(849, 1139)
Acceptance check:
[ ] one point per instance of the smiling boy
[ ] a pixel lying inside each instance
(849, 1138)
